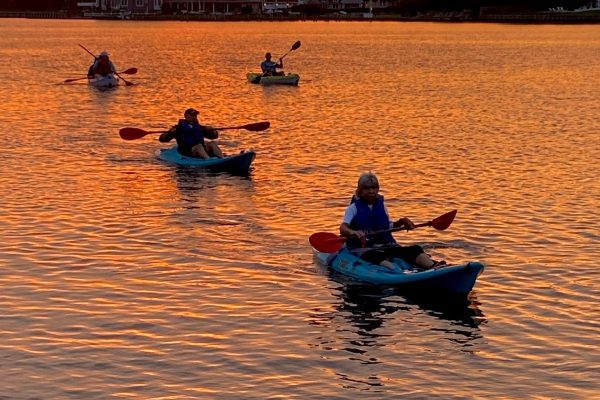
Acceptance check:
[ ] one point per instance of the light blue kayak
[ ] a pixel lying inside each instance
(235, 164)
(455, 279)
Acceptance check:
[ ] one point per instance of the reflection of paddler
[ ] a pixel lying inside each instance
(190, 136)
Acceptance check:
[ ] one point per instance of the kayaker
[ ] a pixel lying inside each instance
(269, 68)
(190, 136)
(367, 213)
(102, 66)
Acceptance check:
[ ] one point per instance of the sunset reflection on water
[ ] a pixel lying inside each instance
(127, 277)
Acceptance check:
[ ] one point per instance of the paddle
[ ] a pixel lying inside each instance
(127, 83)
(91, 54)
(295, 46)
(137, 133)
(326, 242)
(129, 71)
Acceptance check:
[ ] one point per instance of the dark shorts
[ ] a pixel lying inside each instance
(184, 151)
(407, 253)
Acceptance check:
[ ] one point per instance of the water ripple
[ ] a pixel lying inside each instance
(123, 276)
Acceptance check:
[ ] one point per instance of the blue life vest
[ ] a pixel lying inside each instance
(188, 136)
(370, 219)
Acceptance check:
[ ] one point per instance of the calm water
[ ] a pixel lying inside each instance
(122, 277)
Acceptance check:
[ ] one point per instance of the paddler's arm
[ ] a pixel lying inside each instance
(168, 136)
(348, 232)
(209, 132)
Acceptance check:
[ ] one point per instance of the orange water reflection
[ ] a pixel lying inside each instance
(162, 281)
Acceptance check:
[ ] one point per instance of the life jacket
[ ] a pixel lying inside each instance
(188, 136)
(370, 219)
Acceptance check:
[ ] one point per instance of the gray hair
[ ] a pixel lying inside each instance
(367, 179)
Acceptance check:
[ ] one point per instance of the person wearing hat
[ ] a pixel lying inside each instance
(269, 68)
(190, 137)
(367, 213)
(102, 66)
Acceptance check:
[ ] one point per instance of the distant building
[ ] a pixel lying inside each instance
(122, 6)
(349, 4)
(213, 6)
(126, 8)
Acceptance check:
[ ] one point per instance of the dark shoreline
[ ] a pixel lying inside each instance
(539, 18)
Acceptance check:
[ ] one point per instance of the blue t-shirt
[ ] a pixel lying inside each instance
(268, 67)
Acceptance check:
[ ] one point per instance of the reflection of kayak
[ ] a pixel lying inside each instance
(107, 81)
(236, 164)
(289, 79)
(456, 279)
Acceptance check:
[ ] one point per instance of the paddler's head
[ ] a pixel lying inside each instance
(268, 56)
(367, 187)
(191, 115)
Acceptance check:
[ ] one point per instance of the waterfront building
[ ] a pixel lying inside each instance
(129, 8)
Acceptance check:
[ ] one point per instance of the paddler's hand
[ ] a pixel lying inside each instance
(210, 132)
(404, 223)
(166, 136)
(357, 234)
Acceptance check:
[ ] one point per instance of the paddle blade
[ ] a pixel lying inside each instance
(258, 126)
(132, 133)
(326, 242)
(127, 83)
(130, 71)
(442, 222)
(255, 127)
(296, 45)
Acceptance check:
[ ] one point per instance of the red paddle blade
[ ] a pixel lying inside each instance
(442, 222)
(132, 133)
(255, 127)
(258, 126)
(326, 242)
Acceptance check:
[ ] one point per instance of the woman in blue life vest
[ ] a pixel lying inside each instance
(367, 213)
(269, 68)
(190, 136)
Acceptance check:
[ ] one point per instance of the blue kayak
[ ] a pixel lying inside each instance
(236, 164)
(455, 279)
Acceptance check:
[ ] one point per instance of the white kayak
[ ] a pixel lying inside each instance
(107, 81)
